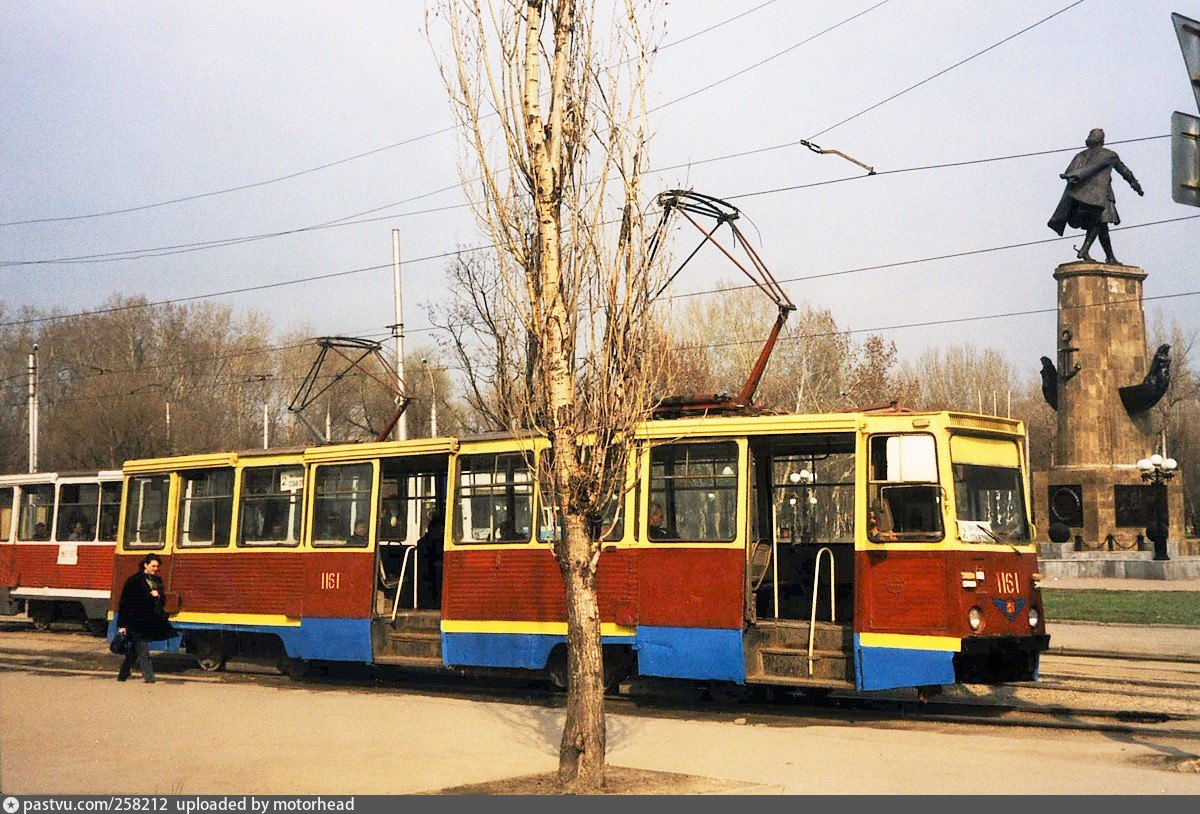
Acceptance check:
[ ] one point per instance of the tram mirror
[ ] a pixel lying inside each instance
(905, 459)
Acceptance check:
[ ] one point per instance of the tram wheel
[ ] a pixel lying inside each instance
(42, 614)
(210, 657)
(293, 668)
(727, 693)
(96, 627)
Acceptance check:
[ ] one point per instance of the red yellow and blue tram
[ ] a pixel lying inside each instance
(860, 551)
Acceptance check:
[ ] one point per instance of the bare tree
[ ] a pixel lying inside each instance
(551, 102)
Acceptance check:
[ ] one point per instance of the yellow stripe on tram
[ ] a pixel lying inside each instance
(543, 628)
(908, 641)
(263, 619)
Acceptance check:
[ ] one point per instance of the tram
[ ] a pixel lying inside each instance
(860, 551)
(57, 538)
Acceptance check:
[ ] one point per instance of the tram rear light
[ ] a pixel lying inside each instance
(1034, 617)
(968, 579)
(1037, 578)
(975, 618)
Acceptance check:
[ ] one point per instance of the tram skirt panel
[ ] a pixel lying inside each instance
(891, 661)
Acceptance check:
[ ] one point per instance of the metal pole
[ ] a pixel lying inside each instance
(33, 411)
(398, 331)
(266, 428)
(433, 429)
(170, 451)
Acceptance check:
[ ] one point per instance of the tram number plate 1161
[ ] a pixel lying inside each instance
(331, 580)
(1007, 582)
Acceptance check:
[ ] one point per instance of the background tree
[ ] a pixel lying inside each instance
(551, 103)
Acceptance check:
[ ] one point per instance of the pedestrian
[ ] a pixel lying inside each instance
(142, 617)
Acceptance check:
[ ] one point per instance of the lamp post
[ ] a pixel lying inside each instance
(1157, 470)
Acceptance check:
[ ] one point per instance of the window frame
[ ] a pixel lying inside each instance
(372, 490)
(294, 514)
(129, 522)
(876, 487)
(186, 503)
(526, 490)
(648, 492)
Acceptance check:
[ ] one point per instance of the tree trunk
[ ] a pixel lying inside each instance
(581, 753)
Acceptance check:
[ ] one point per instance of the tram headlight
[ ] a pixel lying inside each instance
(975, 618)
(1034, 616)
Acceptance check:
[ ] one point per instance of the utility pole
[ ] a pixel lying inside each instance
(33, 411)
(433, 430)
(266, 427)
(170, 446)
(398, 332)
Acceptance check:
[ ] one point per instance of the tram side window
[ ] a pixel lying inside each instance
(608, 527)
(342, 509)
(271, 502)
(146, 511)
(495, 499)
(6, 513)
(78, 508)
(206, 508)
(904, 498)
(693, 492)
(110, 511)
(37, 512)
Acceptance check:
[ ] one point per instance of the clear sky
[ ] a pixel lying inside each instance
(116, 105)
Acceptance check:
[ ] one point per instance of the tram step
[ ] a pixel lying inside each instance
(420, 645)
(418, 621)
(784, 662)
(413, 662)
(793, 634)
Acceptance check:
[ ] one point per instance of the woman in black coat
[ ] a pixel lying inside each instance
(142, 618)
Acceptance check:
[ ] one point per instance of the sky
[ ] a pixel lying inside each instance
(133, 106)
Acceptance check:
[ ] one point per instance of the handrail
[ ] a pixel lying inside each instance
(409, 548)
(812, 619)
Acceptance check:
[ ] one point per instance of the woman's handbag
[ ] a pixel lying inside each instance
(120, 644)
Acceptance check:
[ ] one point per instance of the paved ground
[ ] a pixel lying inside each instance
(195, 737)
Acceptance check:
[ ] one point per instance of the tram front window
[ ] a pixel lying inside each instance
(990, 504)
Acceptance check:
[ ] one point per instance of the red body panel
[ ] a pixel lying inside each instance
(290, 583)
(525, 585)
(691, 587)
(676, 587)
(921, 592)
(35, 565)
(8, 573)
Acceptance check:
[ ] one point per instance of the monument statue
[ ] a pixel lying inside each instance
(1088, 201)
(1049, 382)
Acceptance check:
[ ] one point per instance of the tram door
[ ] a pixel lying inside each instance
(7, 549)
(801, 527)
(901, 637)
(412, 512)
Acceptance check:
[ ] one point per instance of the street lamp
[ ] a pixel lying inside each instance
(1157, 470)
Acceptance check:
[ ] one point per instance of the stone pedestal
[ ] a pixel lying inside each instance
(1094, 485)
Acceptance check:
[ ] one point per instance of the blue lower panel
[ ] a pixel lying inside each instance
(322, 639)
(691, 652)
(525, 651)
(887, 668)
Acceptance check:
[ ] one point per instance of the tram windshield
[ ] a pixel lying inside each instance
(990, 504)
(989, 493)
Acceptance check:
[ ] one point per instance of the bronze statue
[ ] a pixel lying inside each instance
(1088, 201)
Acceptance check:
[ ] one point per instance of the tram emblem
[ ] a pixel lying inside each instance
(1009, 607)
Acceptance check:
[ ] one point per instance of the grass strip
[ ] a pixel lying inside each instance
(1126, 607)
